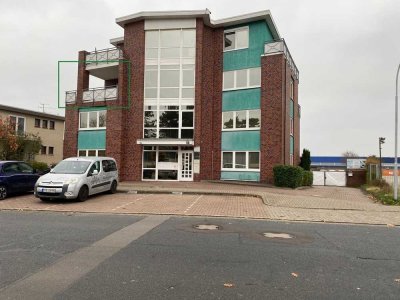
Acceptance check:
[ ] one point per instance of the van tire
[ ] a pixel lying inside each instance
(113, 188)
(83, 194)
(3, 192)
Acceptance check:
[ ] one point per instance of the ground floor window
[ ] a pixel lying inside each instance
(167, 163)
(92, 152)
(240, 160)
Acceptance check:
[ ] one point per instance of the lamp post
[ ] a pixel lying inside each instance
(396, 183)
(381, 141)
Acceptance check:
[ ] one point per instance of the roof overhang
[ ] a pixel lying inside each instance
(168, 142)
(117, 41)
(205, 15)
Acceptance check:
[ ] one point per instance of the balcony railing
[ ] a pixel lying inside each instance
(93, 95)
(281, 47)
(104, 56)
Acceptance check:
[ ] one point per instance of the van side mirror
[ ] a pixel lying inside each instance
(95, 172)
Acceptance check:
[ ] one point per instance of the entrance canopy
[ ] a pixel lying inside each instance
(169, 142)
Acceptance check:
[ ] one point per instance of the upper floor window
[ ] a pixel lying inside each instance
(92, 119)
(52, 124)
(291, 89)
(241, 120)
(18, 123)
(237, 38)
(45, 123)
(242, 79)
(37, 122)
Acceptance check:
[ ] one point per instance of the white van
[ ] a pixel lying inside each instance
(78, 178)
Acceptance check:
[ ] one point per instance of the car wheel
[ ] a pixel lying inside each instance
(3, 192)
(83, 193)
(113, 188)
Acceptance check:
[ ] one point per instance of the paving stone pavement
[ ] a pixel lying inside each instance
(321, 204)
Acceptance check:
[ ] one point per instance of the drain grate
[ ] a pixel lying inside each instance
(207, 227)
(275, 235)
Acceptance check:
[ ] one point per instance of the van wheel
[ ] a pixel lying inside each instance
(83, 193)
(3, 192)
(113, 188)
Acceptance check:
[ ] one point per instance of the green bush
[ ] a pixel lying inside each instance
(40, 166)
(288, 176)
(307, 178)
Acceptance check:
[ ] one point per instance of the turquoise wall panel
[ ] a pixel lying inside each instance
(241, 99)
(92, 139)
(259, 33)
(248, 140)
(234, 175)
(291, 145)
(94, 108)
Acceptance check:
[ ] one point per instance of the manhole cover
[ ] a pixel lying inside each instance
(274, 235)
(207, 227)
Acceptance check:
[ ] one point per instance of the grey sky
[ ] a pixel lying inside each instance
(346, 50)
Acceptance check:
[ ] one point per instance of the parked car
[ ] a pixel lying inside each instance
(78, 178)
(16, 177)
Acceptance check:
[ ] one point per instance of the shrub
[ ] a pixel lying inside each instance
(40, 166)
(305, 160)
(288, 176)
(307, 178)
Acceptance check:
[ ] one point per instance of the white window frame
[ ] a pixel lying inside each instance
(291, 126)
(247, 169)
(87, 151)
(291, 159)
(291, 89)
(16, 122)
(248, 86)
(91, 128)
(235, 30)
(234, 121)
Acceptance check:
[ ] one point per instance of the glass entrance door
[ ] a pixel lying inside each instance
(186, 169)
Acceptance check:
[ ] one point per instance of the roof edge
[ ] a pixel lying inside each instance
(30, 112)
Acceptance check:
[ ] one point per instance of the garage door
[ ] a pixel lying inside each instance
(332, 178)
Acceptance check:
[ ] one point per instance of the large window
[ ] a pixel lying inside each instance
(237, 38)
(18, 124)
(242, 79)
(241, 120)
(92, 120)
(160, 163)
(240, 161)
(91, 152)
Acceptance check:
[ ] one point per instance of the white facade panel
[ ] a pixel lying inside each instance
(169, 24)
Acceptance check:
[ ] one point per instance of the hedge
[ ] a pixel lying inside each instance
(40, 166)
(291, 176)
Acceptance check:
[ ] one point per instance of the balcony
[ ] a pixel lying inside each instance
(93, 95)
(277, 47)
(104, 63)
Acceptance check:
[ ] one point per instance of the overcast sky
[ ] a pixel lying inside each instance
(347, 52)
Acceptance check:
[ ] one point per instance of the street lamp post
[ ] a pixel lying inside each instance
(381, 141)
(396, 183)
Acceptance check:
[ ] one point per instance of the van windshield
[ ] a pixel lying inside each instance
(71, 167)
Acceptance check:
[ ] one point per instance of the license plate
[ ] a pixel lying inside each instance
(47, 190)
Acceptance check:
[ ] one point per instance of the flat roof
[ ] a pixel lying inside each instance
(31, 112)
(205, 14)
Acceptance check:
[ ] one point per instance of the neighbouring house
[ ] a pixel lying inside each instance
(184, 97)
(49, 127)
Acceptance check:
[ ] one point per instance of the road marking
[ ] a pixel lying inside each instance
(48, 282)
(191, 205)
(131, 202)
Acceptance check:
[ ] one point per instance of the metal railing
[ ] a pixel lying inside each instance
(281, 47)
(100, 94)
(104, 56)
(93, 95)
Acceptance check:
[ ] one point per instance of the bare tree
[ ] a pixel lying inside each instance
(349, 153)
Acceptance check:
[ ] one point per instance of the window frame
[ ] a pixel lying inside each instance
(88, 121)
(50, 150)
(38, 125)
(17, 117)
(45, 122)
(234, 128)
(234, 88)
(246, 169)
(235, 30)
(87, 152)
(42, 147)
(52, 127)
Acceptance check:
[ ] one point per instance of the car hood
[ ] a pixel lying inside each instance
(58, 178)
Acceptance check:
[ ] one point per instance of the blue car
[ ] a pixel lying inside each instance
(16, 177)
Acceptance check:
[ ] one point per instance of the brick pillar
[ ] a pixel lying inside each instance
(273, 109)
(83, 77)
(133, 121)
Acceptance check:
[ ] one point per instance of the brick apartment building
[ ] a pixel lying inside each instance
(188, 98)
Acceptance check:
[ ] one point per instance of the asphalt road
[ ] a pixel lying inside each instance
(46, 255)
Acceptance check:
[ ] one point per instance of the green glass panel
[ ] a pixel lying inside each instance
(241, 99)
(246, 140)
(234, 175)
(92, 139)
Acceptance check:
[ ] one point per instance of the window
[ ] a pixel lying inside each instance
(92, 119)
(291, 89)
(37, 122)
(52, 124)
(51, 150)
(236, 39)
(159, 162)
(43, 150)
(25, 168)
(18, 123)
(91, 152)
(241, 120)
(240, 160)
(242, 79)
(109, 165)
(44, 124)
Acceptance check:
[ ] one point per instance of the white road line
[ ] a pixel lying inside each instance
(50, 281)
(131, 202)
(191, 205)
